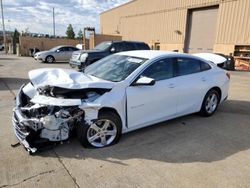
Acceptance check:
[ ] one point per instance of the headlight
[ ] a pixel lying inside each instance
(83, 57)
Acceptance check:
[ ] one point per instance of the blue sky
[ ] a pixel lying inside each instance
(36, 15)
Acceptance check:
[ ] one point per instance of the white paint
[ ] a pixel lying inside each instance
(66, 78)
(52, 101)
(29, 90)
(216, 59)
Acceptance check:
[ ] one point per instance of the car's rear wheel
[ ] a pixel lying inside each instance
(105, 131)
(49, 59)
(210, 103)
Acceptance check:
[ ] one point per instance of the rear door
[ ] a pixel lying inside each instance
(192, 78)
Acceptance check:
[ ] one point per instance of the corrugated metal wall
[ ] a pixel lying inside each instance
(153, 21)
(234, 23)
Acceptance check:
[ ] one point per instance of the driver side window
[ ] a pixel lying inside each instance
(63, 49)
(160, 70)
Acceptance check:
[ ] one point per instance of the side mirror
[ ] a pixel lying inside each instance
(144, 81)
(57, 51)
(112, 50)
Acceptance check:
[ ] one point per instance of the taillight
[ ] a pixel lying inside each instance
(228, 75)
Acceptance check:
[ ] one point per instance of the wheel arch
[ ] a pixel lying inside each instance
(50, 56)
(218, 89)
(109, 109)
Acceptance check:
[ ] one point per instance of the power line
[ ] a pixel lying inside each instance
(54, 25)
(4, 35)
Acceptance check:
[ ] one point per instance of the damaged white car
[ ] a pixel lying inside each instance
(118, 94)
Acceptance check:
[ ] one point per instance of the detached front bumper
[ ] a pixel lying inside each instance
(19, 122)
(74, 64)
(21, 130)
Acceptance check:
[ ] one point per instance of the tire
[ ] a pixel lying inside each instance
(209, 107)
(86, 133)
(49, 59)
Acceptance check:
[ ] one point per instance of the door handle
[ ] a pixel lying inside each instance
(171, 86)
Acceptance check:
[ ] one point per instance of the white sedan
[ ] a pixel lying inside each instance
(117, 94)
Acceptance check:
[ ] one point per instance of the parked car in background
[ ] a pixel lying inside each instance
(1, 47)
(82, 59)
(57, 54)
(119, 93)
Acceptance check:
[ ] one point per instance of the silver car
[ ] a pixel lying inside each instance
(57, 54)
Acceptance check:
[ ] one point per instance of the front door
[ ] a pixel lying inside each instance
(151, 104)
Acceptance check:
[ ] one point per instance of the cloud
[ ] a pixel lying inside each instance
(37, 15)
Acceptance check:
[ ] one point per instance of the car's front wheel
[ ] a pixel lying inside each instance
(104, 131)
(210, 103)
(49, 59)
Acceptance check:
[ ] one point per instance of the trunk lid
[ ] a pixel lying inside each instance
(216, 59)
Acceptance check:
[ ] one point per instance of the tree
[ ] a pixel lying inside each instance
(80, 34)
(15, 36)
(70, 32)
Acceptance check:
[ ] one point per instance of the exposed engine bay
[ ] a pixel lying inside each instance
(50, 113)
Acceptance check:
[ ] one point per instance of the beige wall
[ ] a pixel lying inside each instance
(27, 42)
(95, 39)
(156, 21)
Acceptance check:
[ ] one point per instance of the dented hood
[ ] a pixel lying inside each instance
(216, 59)
(66, 78)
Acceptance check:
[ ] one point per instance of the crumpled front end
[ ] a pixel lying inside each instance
(36, 123)
(50, 107)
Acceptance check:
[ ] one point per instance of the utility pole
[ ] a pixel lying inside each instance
(54, 25)
(4, 35)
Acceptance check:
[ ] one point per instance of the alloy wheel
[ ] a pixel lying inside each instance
(211, 103)
(101, 133)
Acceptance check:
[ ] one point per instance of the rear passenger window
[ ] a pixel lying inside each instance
(187, 66)
(205, 66)
(142, 46)
(129, 46)
(119, 47)
(160, 70)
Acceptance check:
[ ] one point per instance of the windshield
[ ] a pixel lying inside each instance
(103, 46)
(53, 49)
(114, 68)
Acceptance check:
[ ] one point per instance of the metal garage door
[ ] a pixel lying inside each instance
(201, 30)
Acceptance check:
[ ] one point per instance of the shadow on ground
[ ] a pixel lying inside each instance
(12, 83)
(183, 140)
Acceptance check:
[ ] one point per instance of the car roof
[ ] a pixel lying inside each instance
(117, 41)
(65, 46)
(151, 54)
